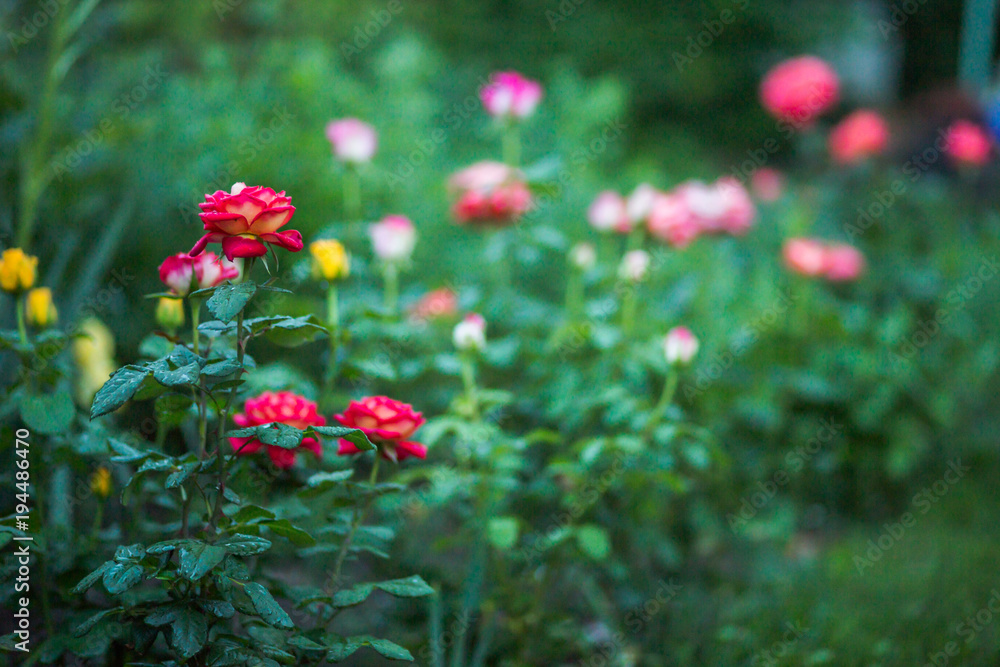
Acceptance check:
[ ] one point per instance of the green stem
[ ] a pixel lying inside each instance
(391, 274)
(224, 418)
(22, 329)
(629, 303)
(512, 145)
(669, 389)
(333, 323)
(437, 647)
(574, 294)
(636, 237)
(359, 516)
(195, 316)
(352, 193)
(469, 382)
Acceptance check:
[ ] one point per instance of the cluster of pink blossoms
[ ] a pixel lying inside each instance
(837, 262)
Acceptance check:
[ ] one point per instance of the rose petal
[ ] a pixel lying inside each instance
(241, 246)
(271, 220)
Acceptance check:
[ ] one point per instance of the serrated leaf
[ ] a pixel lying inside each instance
(295, 331)
(355, 436)
(218, 369)
(119, 388)
(280, 435)
(126, 453)
(178, 477)
(162, 616)
(183, 375)
(199, 559)
(130, 552)
(122, 576)
(250, 513)
(91, 578)
(188, 633)
(228, 300)
(329, 478)
(48, 413)
(270, 611)
(219, 608)
(245, 545)
(391, 650)
(408, 587)
(294, 534)
(166, 545)
(87, 625)
(352, 596)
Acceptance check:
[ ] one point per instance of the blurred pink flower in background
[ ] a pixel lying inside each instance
(470, 333)
(694, 208)
(860, 135)
(510, 95)
(799, 90)
(837, 262)
(967, 143)
(442, 302)
(671, 219)
(608, 212)
(353, 140)
(680, 346)
(639, 203)
(489, 192)
(767, 184)
(393, 238)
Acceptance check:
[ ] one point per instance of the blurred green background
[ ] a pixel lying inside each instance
(157, 102)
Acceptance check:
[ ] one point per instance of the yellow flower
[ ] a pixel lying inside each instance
(170, 313)
(39, 308)
(100, 482)
(17, 270)
(94, 352)
(330, 260)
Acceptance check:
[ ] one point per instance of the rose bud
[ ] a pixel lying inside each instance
(393, 238)
(387, 423)
(608, 212)
(177, 273)
(281, 407)
(170, 313)
(738, 210)
(634, 266)
(510, 95)
(489, 193)
(247, 219)
(17, 270)
(767, 184)
(862, 134)
(100, 483)
(40, 310)
(805, 256)
(968, 144)
(639, 203)
(799, 90)
(330, 260)
(441, 302)
(470, 333)
(680, 346)
(671, 219)
(353, 141)
(583, 256)
(211, 270)
(843, 263)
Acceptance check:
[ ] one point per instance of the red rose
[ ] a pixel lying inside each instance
(387, 423)
(282, 407)
(245, 220)
(489, 193)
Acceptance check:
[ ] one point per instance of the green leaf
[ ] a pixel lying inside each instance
(269, 610)
(167, 545)
(329, 478)
(294, 534)
(183, 375)
(162, 616)
(119, 388)
(408, 587)
(593, 541)
(188, 633)
(219, 369)
(391, 650)
(126, 453)
(199, 559)
(355, 436)
(219, 608)
(502, 532)
(279, 435)
(295, 331)
(344, 648)
(91, 578)
(352, 596)
(122, 576)
(48, 413)
(178, 477)
(251, 513)
(87, 625)
(245, 545)
(129, 553)
(228, 300)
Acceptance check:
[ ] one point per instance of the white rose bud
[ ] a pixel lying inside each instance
(583, 256)
(680, 346)
(470, 333)
(393, 238)
(635, 266)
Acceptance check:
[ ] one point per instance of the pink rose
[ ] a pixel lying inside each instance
(680, 346)
(211, 270)
(388, 423)
(510, 95)
(281, 407)
(767, 184)
(393, 238)
(177, 273)
(671, 219)
(608, 212)
(862, 134)
(489, 193)
(967, 143)
(799, 90)
(245, 220)
(441, 302)
(837, 262)
(738, 210)
(353, 141)
(844, 263)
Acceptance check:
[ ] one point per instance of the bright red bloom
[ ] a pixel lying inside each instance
(798, 90)
(282, 407)
(860, 135)
(387, 423)
(967, 143)
(245, 220)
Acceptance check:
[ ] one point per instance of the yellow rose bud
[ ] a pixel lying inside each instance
(93, 352)
(17, 270)
(170, 313)
(330, 260)
(39, 308)
(100, 482)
